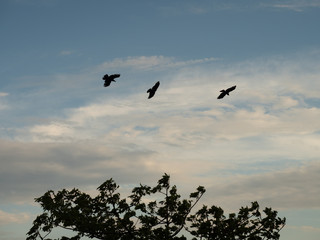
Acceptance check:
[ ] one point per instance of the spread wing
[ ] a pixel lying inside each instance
(113, 76)
(105, 77)
(108, 78)
(222, 94)
(155, 87)
(231, 89)
(153, 90)
(106, 83)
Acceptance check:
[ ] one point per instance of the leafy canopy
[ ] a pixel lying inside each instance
(149, 213)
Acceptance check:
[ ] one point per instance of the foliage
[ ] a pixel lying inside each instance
(210, 223)
(107, 216)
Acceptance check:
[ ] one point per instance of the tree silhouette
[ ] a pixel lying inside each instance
(146, 216)
(210, 223)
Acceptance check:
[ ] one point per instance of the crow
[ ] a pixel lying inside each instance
(153, 90)
(226, 92)
(107, 79)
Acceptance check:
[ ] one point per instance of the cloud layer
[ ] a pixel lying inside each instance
(264, 133)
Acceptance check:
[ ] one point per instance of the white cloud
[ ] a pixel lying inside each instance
(184, 131)
(3, 104)
(198, 10)
(7, 218)
(149, 63)
(310, 229)
(30, 169)
(252, 110)
(53, 129)
(65, 53)
(292, 188)
(186, 121)
(297, 5)
(285, 102)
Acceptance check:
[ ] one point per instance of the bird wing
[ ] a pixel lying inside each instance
(151, 94)
(115, 76)
(231, 89)
(105, 77)
(155, 87)
(222, 94)
(107, 83)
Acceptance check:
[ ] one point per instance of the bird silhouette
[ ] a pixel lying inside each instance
(107, 79)
(226, 92)
(153, 90)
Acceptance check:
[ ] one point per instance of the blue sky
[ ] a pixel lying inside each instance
(60, 128)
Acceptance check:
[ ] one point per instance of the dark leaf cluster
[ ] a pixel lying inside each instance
(149, 213)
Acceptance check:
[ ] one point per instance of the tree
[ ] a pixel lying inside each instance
(163, 216)
(211, 224)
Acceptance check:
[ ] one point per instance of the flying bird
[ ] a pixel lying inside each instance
(153, 90)
(226, 92)
(108, 79)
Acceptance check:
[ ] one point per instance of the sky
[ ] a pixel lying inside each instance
(60, 128)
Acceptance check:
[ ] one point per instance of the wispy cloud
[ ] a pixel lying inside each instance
(3, 94)
(150, 63)
(184, 130)
(3, 104)
(30, 169)
(297, 5)
(310, 228)
(6, 218)
(66, 52)
(214, 6)
(278, 107)
(174, 9)
(291, 188)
